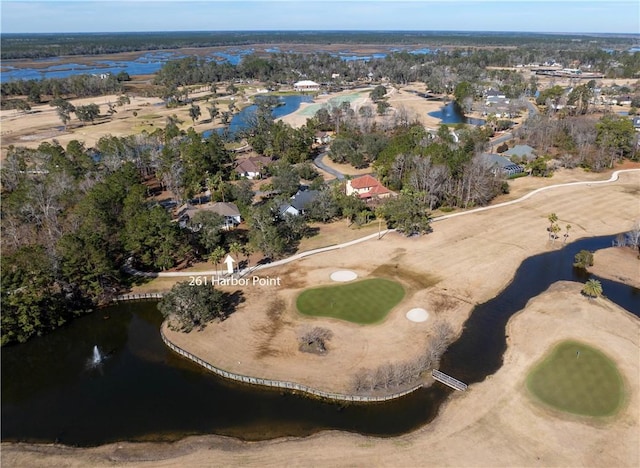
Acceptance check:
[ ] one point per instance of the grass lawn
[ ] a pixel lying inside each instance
(578, 379)
(367, 301)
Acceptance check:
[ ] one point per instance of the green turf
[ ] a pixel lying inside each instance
(366, 301)
(587, 384)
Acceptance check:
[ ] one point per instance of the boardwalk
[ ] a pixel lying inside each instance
(448, 380)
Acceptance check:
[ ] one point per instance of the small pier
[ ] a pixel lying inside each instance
(448, 380)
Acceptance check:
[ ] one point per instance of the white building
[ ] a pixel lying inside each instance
(306, 85)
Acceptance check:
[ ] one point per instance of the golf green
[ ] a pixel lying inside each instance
(578, 379)
(367, 301)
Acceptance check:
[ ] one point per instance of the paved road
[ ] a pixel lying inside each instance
(614, 177)
(321, 165)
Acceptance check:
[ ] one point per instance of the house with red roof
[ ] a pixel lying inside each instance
(367, 188)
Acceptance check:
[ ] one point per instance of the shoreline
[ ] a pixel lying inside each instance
(485, 422)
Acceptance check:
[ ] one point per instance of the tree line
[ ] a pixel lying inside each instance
(22, 45)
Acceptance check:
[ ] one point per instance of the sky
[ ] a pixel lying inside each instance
(573, 16)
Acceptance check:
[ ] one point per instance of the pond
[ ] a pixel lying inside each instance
(242, 120)
(140, 390)
(451, 113)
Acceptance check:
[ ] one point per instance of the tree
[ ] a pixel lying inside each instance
(462, 91)
(123, 100)
(285, 179)
(408, 213)
(553, 219)
(579, 97)
(382, 106)
(64, 109)
(207, 227)
(566, 233)
(111, 110)
(583, 259)
(615, 135)
(189, 306)
(592, 289)
(217, 255)
(194, 113)
(377, 93)
(314, 340)
(235, 249)
(87, 113)
(213, 111)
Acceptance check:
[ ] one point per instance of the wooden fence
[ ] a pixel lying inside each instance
(283, 384)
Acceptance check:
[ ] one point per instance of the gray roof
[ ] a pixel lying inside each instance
(522, 151)
(492, 159)
(303, 198)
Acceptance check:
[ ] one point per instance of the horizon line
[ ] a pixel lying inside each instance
(581, 33)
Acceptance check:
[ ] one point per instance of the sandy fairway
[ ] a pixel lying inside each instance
(494, 423)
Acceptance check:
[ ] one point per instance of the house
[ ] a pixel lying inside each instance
(367, 188)
(252, 167)
(306, 85)
(287, 208)
(229, 211)
(322, 138)
(524, 152)
(299, 202)
(500, 165)
(303, 198)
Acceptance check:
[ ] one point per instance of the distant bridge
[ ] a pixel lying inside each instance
(448, 380)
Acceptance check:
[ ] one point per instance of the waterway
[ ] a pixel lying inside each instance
(141, 390)
(146, 64)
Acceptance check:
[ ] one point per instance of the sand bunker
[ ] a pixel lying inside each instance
(418, 315)
(344, 275)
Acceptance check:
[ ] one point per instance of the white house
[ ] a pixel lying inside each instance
(306, 85)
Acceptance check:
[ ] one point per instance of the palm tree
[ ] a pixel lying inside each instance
(555, 229)
(566, 234)
(217, 255)
(592, 289)
(247, 250)
(553, 218)
(236, 249)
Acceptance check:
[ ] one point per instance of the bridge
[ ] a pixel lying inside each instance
(448, 380)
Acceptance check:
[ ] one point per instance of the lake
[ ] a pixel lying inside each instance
(141, 390)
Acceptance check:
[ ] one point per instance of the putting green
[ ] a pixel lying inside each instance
(578, 379)
(367, 301)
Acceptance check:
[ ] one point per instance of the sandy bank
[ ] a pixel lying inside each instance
(618, 264)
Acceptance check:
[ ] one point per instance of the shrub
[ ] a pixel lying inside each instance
(583, 259)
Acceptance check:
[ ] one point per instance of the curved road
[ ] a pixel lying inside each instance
(321, 165)
(533, 110)
(614, 177)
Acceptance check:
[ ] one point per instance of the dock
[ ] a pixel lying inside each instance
(448, 380)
